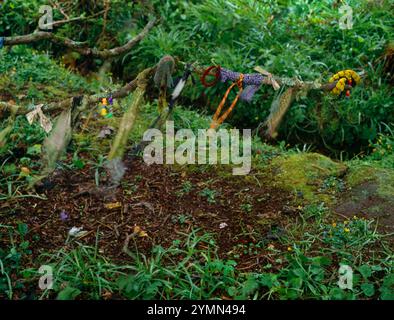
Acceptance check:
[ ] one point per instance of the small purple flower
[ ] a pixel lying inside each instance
(110, 100)
(64, 216)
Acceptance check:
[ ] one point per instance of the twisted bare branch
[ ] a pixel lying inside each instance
(80, 46)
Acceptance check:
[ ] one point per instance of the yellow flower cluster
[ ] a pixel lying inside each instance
(342, 77)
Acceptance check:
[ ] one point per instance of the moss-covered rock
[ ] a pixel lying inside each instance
(383, 178)
(305, 174)
(370, 195)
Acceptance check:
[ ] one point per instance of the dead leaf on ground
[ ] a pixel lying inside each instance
(139, 232)
(113, 205)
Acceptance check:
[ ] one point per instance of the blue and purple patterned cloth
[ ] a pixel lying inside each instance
(252, 81)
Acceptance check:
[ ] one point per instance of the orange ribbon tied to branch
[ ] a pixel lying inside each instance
(216, 120)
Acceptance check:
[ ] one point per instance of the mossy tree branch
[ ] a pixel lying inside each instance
(79, 46)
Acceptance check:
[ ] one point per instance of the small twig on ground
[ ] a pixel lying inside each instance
(126, 245)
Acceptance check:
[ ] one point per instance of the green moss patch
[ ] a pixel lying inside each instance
(370, 195)
(305, 174)
(383, 178)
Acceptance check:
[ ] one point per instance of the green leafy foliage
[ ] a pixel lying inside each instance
(241, 34)
(294, 38)
(182, 271)
(209, 194)
(23, 69)
(12, 259)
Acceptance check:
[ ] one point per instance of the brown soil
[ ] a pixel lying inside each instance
(151, 198)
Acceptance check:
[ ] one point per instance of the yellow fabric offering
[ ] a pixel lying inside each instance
(342, 78)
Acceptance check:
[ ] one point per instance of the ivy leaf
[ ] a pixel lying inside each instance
(268, 279)
(368, 289)
(387, 289)
(322, 261)
(377, 268)
(300, 273)
(365, 271)
(295, 283)
(249, 286)
(78, 163)
(22, 229)
(337, 294)
(232, 291)
(34, 150)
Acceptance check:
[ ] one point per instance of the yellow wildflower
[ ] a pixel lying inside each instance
(25, 170)
(103, 112)
(346, 230)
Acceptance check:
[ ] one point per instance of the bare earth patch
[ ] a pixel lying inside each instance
(156, 199)
(364, 200)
